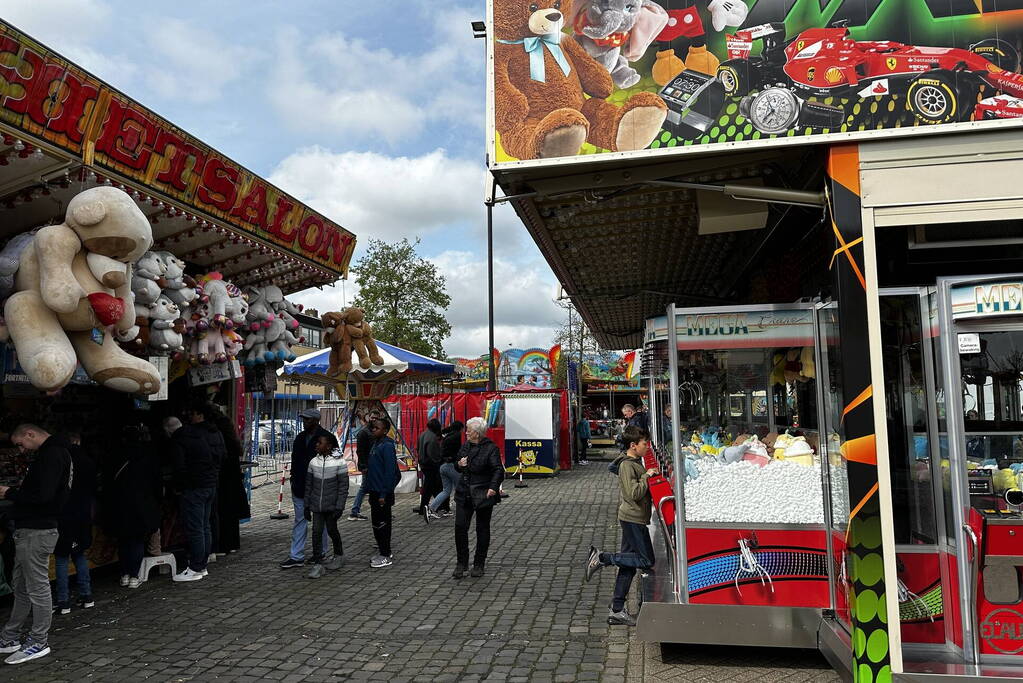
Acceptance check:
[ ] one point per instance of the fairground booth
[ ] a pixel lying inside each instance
(140, 270)
(810, 217)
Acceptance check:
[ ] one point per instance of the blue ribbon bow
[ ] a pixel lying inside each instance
(534, 48)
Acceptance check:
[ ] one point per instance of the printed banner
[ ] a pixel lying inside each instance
(569, 79)
(535, 457)
(49, 98)
(987, 299)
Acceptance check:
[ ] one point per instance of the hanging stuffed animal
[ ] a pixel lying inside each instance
(218, 295)
(73, 297)
(163, 335)
(793, 367)
(147, 280)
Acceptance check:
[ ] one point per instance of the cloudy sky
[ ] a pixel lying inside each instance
(371, 112)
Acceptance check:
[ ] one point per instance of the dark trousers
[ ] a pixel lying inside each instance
(380, 518)
(196, 509)
(130, 552)
(432, 485)
(637, 553)
(580, 449)
(328, 520)
(463, 517)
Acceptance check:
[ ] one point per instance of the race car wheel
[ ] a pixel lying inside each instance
(933, 98)
(998, 52)
(734, 76)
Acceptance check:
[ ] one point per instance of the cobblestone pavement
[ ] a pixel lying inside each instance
(530, 618)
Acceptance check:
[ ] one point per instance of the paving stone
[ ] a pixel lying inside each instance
(530, 618)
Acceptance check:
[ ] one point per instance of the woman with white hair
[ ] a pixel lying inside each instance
(479, 490)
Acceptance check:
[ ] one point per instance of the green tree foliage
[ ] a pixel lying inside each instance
(404, 297)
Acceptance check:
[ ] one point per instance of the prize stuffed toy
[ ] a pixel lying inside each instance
(346, 332)
(616, 32)
(73, 295)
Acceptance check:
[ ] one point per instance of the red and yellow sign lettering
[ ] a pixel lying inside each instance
(46, 97)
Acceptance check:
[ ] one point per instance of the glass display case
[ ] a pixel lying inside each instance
(746, 414)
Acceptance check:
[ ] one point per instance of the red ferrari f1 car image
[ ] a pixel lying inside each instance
(941, 84)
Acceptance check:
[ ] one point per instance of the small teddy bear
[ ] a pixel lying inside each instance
(163, 336)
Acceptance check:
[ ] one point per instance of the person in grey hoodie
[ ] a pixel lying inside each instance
(326, 491)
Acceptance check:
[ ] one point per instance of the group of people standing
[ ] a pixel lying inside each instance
(470, 473)
(52, 512)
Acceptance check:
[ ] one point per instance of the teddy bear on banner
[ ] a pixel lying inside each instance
(345, 332)
(72, 295)
(542, 79)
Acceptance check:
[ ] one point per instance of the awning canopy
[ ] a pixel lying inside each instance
(625, 243)
(398, 363)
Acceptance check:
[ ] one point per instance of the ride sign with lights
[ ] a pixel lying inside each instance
(44, 96)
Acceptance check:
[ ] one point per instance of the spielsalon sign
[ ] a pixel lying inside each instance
(50, 98)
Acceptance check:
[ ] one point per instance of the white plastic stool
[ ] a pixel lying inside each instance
(167, 564)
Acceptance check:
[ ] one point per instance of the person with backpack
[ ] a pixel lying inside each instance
(637, 551)
(430, 459)
(326, 491)
(382, 476)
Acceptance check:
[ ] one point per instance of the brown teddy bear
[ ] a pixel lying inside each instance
(541, 77)
(340, 351)
(348, 331)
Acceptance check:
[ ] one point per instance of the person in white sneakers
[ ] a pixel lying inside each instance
(37, 505)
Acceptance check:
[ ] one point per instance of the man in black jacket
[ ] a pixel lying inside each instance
(303, 450)
(363, 445)
(37, 506)
(479, 490)
(196, 471)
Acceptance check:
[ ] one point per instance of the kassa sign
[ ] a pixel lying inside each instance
(50, 98)
(574, 77)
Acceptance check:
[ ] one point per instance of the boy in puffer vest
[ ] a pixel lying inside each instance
(326, 491)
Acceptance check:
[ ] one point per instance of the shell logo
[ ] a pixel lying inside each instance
(994, 68)
(833, 75)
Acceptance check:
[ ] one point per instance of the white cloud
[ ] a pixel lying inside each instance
(385, 197)
(524, 311)
(342, 87)
(192, 63)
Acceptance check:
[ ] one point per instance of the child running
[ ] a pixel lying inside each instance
(326, 491)
(634, 516)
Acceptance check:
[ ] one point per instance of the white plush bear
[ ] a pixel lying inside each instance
(73, 293)
(147, 279)
(162, 335)
(177, 286)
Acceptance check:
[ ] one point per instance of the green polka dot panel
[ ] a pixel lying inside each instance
(866, 606)
(864, 674)
(877, 645)
(859, 642)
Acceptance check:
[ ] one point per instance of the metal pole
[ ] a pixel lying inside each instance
(678, 483)
(490, 294)
(579, 377)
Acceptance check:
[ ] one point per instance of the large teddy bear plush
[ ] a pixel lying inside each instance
(73, 294)
(541, 80)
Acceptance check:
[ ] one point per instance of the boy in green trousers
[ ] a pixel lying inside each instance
(634, 515)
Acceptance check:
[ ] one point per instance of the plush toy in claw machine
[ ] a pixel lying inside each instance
(72, 295)
(542, 109)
